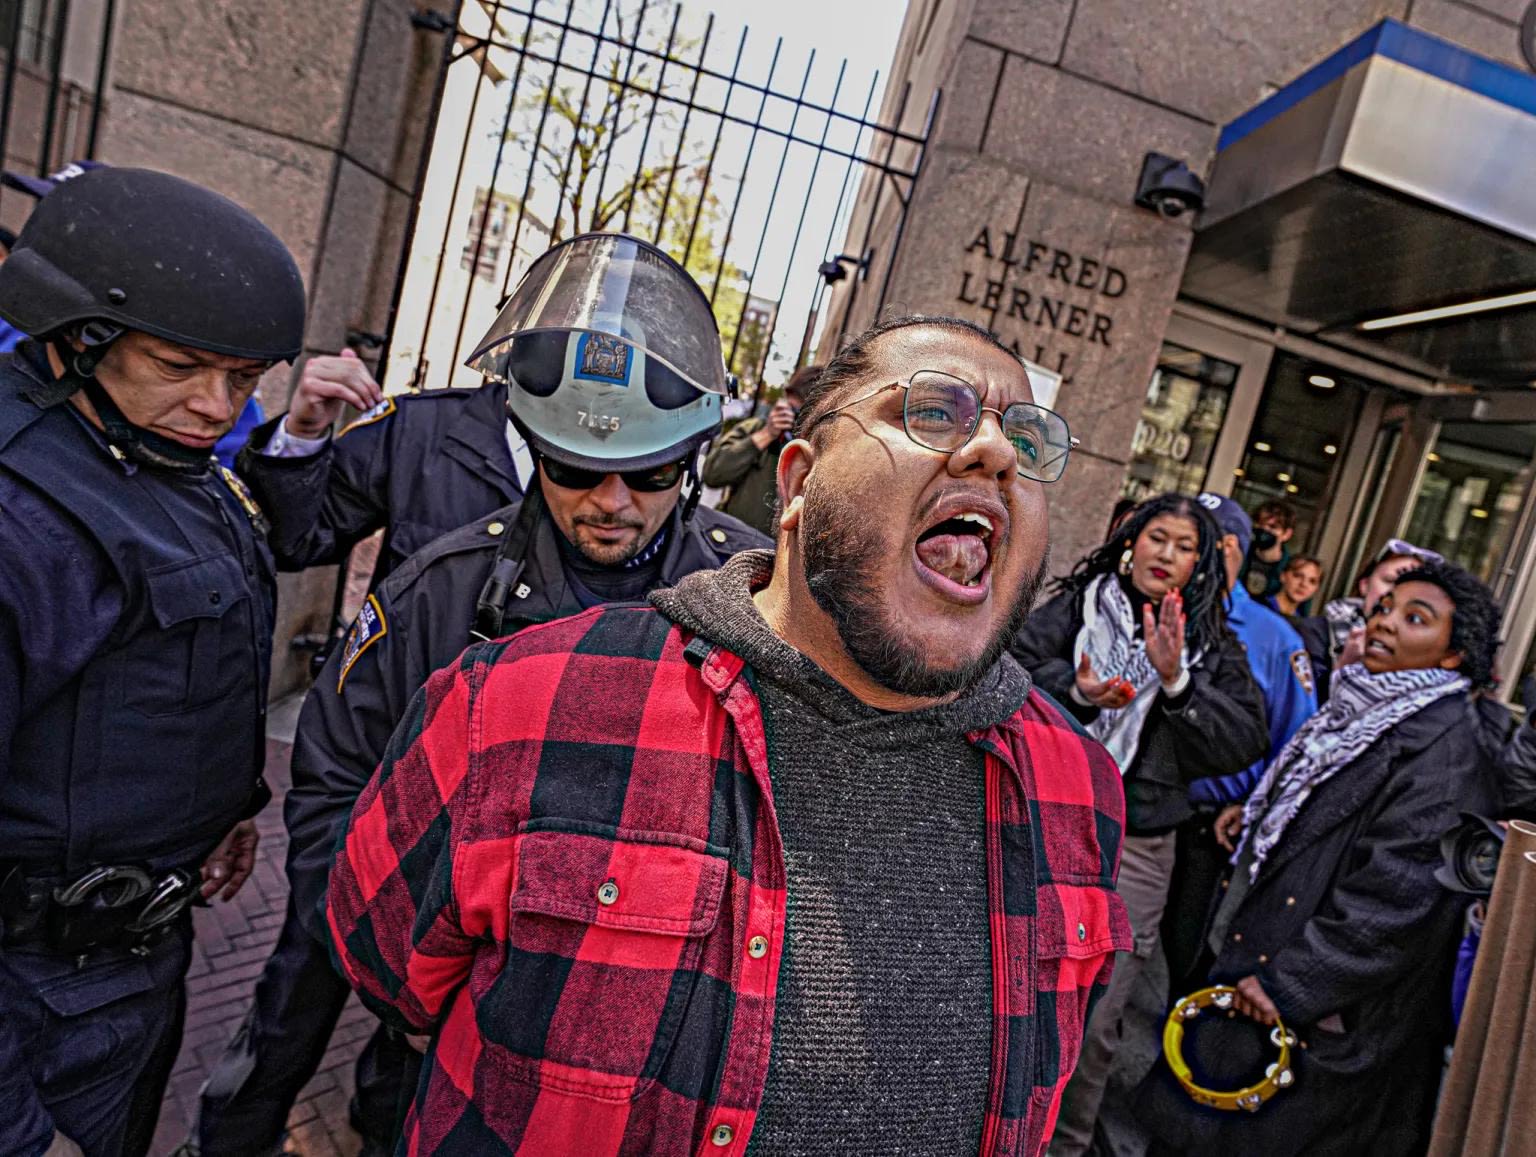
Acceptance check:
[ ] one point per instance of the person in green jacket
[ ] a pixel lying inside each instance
(746, 461)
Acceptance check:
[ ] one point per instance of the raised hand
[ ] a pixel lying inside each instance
(325, 386)
(1165, 636)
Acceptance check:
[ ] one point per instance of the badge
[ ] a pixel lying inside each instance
(368, 417)
(367, 630)
(243, 496)
(1301, 665)
(604, 358)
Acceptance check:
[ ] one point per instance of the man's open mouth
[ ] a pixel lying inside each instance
(1378, 647)
(957, 550)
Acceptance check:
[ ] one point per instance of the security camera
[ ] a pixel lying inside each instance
(1169, 187)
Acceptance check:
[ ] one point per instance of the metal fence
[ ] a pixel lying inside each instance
(55, 54)
(562, 118)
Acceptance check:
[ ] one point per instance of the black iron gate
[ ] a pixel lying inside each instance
(50, 98)
(561, 118)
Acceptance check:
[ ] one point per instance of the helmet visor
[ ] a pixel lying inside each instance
(611, 284)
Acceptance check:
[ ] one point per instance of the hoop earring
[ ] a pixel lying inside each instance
(1125, 563)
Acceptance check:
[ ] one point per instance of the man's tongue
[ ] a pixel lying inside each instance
(958, 557)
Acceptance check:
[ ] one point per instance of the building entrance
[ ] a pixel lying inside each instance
(1359, 456)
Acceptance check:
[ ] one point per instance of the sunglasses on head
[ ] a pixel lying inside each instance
(1398, 548)
(652, 481)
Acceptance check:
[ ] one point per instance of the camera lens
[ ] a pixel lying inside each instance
(1471, 855)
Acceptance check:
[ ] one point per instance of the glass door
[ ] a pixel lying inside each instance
(1476, 482)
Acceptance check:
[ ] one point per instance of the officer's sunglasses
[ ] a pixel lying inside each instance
(942, 412)
(651, 481)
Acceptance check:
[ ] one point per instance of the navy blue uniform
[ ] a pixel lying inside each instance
(416, 621)
(136, 610)
(417, 465)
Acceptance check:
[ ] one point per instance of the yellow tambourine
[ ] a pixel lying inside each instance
(1277, 1076)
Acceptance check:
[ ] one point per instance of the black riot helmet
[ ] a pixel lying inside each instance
(137, 249)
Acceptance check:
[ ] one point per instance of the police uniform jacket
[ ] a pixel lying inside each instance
(1282, 669)
(135, 639)
(418, 465)
(416, 621)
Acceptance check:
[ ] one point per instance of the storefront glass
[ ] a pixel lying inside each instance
(1475, 483)
(1180, 419)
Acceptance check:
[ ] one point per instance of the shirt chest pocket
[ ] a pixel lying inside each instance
(1079, 928)
(607, 939)
(189, 654)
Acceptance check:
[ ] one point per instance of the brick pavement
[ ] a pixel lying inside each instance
(233, 941)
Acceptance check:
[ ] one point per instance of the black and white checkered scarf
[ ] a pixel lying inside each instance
(1361, 708)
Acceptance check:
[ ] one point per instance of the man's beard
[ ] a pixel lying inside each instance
(839, 545)
(609, 554)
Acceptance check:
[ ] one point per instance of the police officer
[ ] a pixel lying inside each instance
(136, 599)
(609, 361)
(417, 465)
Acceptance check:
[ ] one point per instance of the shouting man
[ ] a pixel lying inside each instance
(798, 857)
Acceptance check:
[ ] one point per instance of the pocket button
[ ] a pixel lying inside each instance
(607, 893)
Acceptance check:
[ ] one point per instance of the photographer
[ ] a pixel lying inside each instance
(746, 460)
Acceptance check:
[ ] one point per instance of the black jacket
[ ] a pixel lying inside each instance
(419, 466)
(1517, 772)
(1214, 727)
(416, 621)
(1346, 920)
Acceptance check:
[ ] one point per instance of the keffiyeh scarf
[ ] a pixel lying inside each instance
(1361, 708)
(1108, 636)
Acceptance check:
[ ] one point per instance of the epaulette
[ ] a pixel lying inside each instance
(484, 534)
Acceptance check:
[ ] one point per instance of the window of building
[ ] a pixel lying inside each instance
(1180, 419)
(1475, 483)
(488, 260)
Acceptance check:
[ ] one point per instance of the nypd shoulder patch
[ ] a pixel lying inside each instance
(368, 417)
(1301, 667)
(367, 630)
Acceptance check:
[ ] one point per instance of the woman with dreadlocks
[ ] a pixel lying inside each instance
(1135, 644)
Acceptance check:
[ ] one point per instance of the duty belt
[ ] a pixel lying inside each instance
(110, 906)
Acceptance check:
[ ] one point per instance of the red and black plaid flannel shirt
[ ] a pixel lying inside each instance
(568, 869)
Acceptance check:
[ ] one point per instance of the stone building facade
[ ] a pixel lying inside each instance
(1023, 216)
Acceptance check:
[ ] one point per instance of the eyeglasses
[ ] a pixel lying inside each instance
(942, 412)
(651, 481)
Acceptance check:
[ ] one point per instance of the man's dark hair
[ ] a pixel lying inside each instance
(1205, 595)
(1474, 619)
(801, 381)
(855, 362)
(1284, 512)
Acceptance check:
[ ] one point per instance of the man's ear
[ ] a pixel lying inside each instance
(796, 461)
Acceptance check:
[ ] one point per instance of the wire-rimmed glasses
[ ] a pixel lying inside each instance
(941, 412)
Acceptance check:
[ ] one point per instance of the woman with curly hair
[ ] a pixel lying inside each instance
(1332, 919)
(1135, 644)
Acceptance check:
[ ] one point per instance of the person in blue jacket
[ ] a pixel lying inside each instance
(1278, 658)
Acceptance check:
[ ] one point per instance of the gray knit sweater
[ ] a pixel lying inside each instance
(882, 1036)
